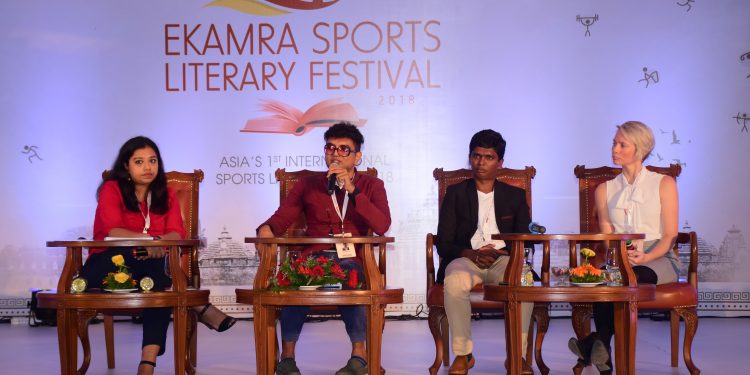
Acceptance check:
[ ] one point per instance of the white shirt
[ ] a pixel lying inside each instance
(486, 223)
(636, 207)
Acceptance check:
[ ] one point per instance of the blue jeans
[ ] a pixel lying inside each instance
(293, 317)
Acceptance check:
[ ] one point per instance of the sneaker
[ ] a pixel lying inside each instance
(287, 366)
(355, 366)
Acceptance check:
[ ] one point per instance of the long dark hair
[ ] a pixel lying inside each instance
(119, 173)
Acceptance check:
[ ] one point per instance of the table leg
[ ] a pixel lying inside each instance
(513, 332)
(625, 322)
(179, 326)
(66, 340)
(374, 336)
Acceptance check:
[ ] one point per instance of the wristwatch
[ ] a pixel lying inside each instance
(354, 193)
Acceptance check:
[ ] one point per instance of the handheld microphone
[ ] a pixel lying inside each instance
(332, 180)
(536, 228)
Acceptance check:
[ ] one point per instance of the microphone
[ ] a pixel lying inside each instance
(332, 180)
(536, 228)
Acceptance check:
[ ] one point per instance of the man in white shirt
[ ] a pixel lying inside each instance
(471, 212)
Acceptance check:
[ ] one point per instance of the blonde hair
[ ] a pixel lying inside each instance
(641, 136)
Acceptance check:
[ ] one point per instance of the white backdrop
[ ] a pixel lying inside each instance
(80, 77)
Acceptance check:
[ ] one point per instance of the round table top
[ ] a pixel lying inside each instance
(321, 297)
(99, 299)
(122, 243)
(572, 293)
(319, 240)
(568, 236)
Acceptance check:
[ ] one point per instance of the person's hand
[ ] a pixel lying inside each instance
(263, 232)
(487, 255)
(342, 176)
(637, 257)
(154, 253)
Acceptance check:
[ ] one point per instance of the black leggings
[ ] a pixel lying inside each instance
(156, 320)
(604, 312)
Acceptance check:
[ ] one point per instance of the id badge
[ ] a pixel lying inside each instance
(346, 249)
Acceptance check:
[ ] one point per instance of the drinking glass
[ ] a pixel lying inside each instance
(612, 268)
(561, 274)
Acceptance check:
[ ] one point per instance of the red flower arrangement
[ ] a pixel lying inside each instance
(312, 271)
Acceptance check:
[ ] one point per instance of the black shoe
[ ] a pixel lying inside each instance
(355, 366)
(584, 350)
(225, 324)
(600, 357)
(287, 366)
(575, 346)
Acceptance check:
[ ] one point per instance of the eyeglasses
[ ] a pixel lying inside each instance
(342, 150)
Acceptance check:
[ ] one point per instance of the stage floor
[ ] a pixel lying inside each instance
(720, 347)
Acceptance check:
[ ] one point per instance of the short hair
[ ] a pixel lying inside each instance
(488, 138)
(641, 136)
(345, 130)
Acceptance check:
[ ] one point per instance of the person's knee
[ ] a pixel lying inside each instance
(457, 284)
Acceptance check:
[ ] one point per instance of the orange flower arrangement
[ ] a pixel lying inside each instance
(586, 273)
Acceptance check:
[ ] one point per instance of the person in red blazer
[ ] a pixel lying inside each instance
(361, 207)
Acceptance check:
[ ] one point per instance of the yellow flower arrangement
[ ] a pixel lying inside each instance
(118, 260)
(120, 279)
(586, 273)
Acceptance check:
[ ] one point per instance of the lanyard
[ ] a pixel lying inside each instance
(342, 215)
(147, 216)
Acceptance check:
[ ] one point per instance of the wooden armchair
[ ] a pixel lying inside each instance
(437, 319)
(77, 310)
(266, 304)
(680, 298)
(297, 229)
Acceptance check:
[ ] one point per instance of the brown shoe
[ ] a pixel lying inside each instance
(461, 365)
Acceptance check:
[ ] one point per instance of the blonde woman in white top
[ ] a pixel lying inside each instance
(636, 201)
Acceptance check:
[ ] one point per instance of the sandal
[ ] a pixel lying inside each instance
(226, 324)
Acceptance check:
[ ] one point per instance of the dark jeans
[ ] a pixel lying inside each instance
(604, 312)
(293, 317)
(156, 320)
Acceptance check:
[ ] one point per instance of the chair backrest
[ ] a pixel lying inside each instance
(590, 178)
(186, 188)
(286, 183)
(520, 178)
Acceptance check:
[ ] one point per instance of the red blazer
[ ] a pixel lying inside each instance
(111, 213)
(367, 211)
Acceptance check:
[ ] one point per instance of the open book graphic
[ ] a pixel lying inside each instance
(286, 119)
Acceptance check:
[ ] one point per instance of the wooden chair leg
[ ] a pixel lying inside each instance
(84, 318)
(109, 339)
(581, 318)
(434, 320)
(674, 336)
(445, 329)
(541, 317)
(690, 315)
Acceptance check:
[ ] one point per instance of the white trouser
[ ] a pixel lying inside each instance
(460, 276)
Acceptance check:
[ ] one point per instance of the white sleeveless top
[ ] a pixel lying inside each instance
(636, 207)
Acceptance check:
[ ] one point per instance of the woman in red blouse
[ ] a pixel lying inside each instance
(135, 202)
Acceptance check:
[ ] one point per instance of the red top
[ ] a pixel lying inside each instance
(111, 213)
(368, 210)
